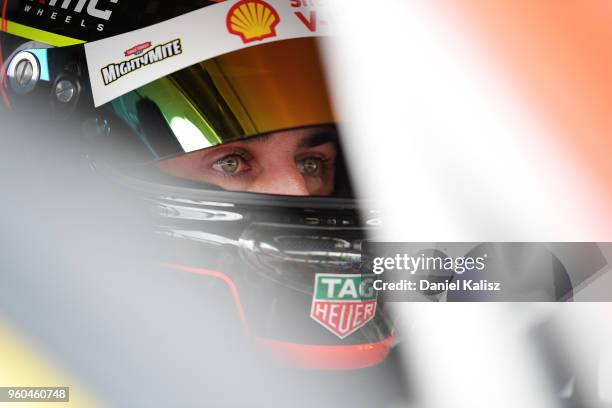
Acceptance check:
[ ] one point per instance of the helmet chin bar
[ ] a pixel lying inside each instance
(292, 255)
(271, 248)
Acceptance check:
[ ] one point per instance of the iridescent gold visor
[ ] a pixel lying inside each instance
(254, 91)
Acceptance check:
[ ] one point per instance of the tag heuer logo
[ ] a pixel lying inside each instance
(343, 303)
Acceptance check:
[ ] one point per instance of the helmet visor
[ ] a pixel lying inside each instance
(253, 91)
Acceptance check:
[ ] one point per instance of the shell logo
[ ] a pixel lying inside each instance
(252, 20)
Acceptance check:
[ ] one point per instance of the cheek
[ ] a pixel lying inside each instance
(322, 186)
(185, 166)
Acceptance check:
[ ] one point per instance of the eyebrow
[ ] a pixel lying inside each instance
(313, 140)
(318, 139)
(258, 138)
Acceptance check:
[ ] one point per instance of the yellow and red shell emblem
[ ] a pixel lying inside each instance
(252, 20)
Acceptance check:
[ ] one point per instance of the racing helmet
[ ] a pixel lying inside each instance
(218, 115)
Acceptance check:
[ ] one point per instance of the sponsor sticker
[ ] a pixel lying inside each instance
(161, 52)
(84, 14)
(138, 49)
(311, 13)
(199, 35)
(343, 303)
(252, 20)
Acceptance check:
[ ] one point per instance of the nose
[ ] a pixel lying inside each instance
(285, 180)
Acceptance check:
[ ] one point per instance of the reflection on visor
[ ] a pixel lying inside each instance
(254, 91)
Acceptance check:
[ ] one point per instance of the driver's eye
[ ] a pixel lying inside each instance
(310, 166)
(230, 164)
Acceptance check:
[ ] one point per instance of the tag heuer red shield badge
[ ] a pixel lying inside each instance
(343, 303)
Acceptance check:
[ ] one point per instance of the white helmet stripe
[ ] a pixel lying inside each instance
(125, 62)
